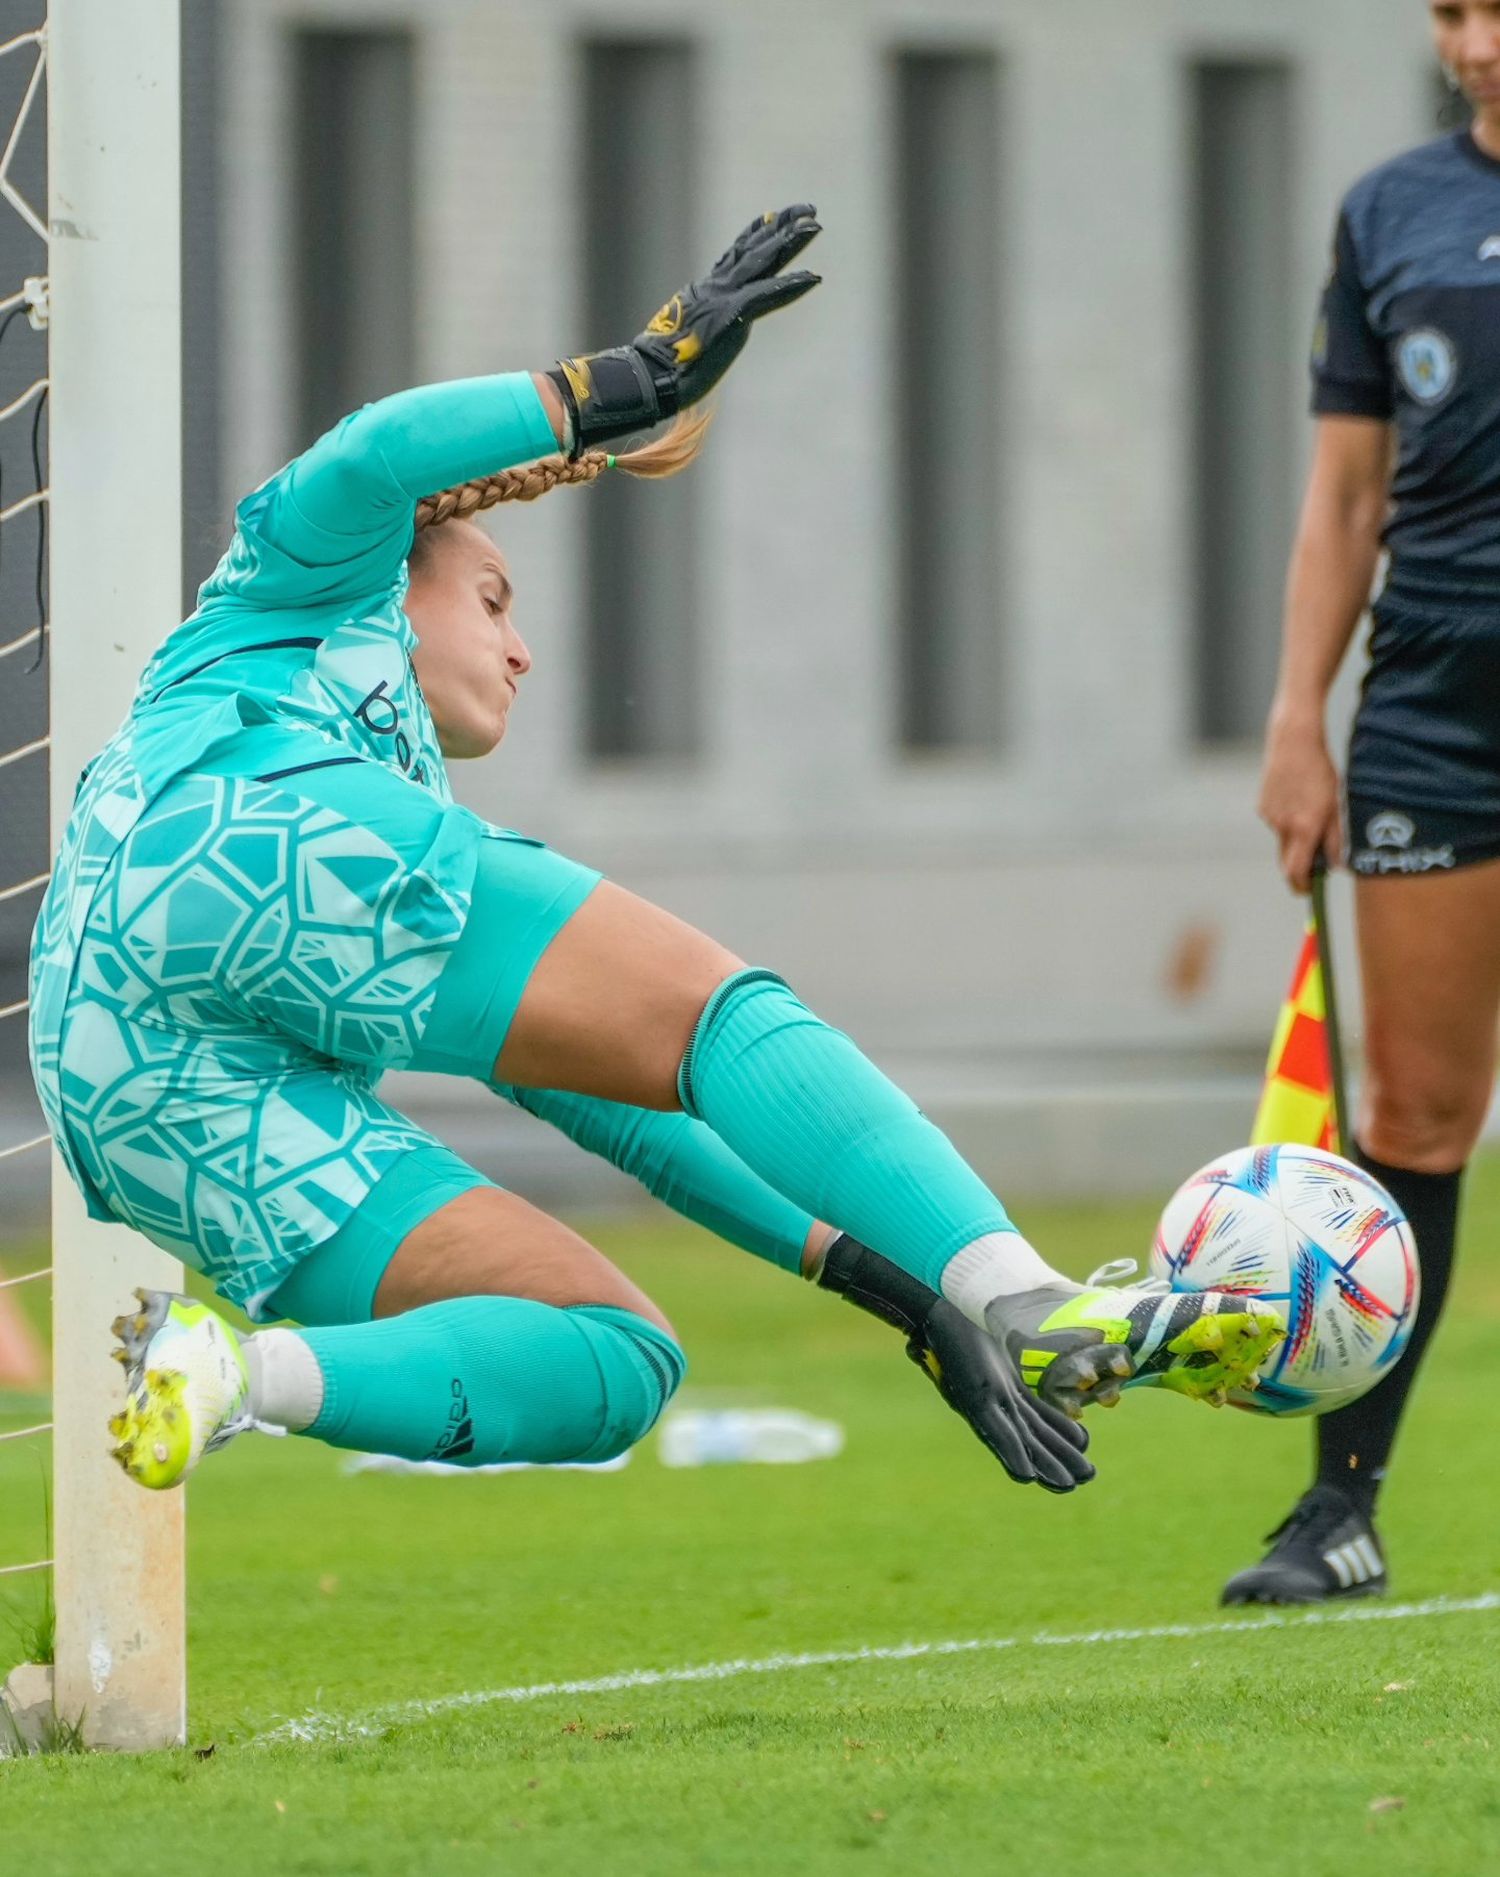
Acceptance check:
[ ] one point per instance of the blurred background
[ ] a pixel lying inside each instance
(937, 685)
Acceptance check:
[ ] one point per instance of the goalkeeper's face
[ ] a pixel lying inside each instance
(469, 658)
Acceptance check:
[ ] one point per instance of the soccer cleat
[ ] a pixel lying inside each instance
(1081, 1348)
(187, 1388)
(1325, 1548)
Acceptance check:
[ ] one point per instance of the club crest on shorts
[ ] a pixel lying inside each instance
(1390, 829)
(1428, 364)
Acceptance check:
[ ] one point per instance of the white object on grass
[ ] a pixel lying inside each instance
(737, 1436)
(392, 1463)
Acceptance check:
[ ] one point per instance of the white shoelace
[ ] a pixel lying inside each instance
(1121, 1270)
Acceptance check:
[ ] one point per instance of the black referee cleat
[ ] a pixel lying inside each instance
(1325, 1548)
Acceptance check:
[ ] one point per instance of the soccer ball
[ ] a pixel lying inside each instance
(1315, 1236)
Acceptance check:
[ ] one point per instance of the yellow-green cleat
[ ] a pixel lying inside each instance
(1080, 1348)
(187, 1388)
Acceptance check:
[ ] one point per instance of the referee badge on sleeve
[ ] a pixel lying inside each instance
(1427, 364)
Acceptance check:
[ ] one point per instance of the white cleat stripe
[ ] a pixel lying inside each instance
(1339, 1565)
(1358, 1557)
(1370, 1555)
(1160, 1322)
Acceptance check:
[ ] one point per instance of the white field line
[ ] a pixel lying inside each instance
(318, 1727)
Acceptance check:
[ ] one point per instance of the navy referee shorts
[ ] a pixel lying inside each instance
(1423, 777)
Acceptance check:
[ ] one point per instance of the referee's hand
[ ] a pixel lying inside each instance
(1299, 799)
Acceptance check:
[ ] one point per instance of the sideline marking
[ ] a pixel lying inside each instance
(320, 1727)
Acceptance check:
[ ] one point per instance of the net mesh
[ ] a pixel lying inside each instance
(23, 512)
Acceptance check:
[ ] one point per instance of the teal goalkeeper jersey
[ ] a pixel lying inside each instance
(300, 626)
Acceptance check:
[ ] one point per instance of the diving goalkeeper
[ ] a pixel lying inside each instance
(266, 896)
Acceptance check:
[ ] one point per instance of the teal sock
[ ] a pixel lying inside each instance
(482, 1379)
(684, 1164)
(802, 1106)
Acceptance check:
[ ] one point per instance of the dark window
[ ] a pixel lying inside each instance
(353, 196)
(1246, 360)
(946, 496)
(636, 225)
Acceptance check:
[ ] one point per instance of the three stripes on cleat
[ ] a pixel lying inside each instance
(1100, 1341)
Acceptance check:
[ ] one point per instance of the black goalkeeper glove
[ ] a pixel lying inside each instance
(693, 340)
(1030, 1439)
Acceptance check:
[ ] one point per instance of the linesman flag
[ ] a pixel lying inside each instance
(1301, 1100)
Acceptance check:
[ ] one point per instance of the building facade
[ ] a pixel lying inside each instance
(936, 685)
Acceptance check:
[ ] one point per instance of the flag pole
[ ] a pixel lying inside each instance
(1330, 1002)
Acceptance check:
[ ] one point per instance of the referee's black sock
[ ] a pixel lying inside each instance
(1354, 1443)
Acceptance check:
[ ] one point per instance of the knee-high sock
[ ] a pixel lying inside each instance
(482, 1379)
(1354, 1443)
(800, 1105)
(684, 1164)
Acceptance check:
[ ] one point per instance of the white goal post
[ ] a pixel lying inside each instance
(115, 424)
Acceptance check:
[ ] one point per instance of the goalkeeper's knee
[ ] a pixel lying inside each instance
(640, 1369)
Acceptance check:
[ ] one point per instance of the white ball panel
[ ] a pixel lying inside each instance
(1314, 1235)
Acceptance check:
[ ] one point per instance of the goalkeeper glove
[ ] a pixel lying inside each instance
(1031, 1439)
(690, 344)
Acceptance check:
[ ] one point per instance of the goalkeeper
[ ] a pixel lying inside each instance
(266, 896)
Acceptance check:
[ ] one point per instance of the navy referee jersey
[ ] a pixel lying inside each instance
(1410, 332)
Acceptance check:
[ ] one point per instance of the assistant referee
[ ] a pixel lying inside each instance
(1406, 393)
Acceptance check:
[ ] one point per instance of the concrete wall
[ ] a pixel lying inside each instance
(1072, 951)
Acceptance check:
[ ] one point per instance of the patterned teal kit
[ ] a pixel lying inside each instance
(223, 966)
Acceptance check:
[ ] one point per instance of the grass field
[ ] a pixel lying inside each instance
(1317, 1748)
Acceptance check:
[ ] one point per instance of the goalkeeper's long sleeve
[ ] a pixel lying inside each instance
(335, 525)
(684, 1164)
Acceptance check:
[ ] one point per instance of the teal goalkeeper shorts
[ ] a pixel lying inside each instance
(263, 946)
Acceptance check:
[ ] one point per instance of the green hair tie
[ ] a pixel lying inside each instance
(609, 462)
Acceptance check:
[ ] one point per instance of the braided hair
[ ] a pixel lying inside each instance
(665, 457)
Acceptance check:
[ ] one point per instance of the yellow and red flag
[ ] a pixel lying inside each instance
(1297, 1102)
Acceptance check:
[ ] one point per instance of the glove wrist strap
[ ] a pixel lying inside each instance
(852, 1271)
(612, 394)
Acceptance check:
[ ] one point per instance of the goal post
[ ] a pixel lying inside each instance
(115, 442)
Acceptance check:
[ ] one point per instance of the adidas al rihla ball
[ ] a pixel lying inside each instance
(1314, 1235)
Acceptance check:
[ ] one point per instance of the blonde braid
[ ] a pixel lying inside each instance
(509, 485)
(666, 457)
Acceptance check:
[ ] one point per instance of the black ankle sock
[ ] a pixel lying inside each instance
(1354, 1443)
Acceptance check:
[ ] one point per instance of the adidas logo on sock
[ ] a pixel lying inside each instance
(458, 1435)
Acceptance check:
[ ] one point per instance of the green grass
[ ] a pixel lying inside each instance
(1266, 1751)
